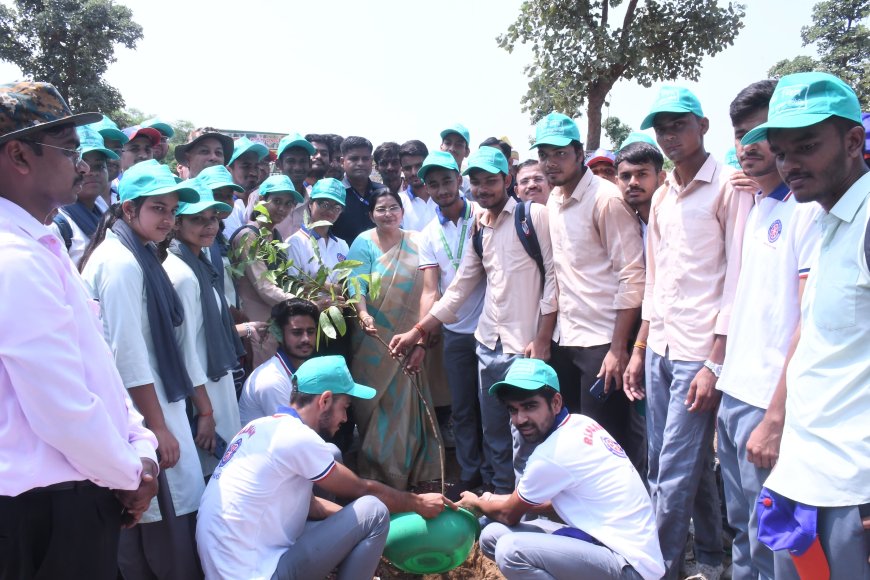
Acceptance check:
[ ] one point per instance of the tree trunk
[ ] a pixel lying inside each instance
(595, 103)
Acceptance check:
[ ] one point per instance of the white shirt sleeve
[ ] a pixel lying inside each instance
(187, 288)
(542, 480)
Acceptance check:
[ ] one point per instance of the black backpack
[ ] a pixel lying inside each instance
(525, 232)
(65, 229)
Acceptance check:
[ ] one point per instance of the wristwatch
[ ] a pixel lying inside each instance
(714, 368)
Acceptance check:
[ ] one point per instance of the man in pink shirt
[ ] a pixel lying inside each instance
(75, 461)
(694, 242)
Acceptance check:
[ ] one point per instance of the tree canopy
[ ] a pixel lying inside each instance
(842, 41)
(583, 47)
(70, 44)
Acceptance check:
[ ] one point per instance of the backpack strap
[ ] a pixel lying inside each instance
(65, 229)
(867, 245)
(528, 237)
(240, 230)
(477, 238)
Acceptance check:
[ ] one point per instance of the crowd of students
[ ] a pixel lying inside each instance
(581, 325)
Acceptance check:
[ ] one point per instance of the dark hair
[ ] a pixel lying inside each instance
(509, 393)
(493, 142)
(354, 142)
(386, 150)
(527, 163)
(413, 148)
(640, 152)
(287, 309)
(383, 193)
(752, 99)
(335, 142)
(299, 398)
(113, 214)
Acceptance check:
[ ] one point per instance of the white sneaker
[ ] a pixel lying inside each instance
(700, 571)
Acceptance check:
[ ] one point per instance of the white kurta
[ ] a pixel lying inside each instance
(191, 339)
(117, 281)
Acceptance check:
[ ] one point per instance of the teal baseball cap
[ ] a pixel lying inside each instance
(206, 199)
(489, 159)
(530, 374)
(673, 99)
(150, 177)
(638, 137)
(731, 159)
(108, 129)
(329, 188)
(804, 99)
(435, 159)
(294, 140)
(557, 130)
(329, 373)
(459, 130)
(280, 184)
(91, 141)
(243, 145)
(165, 128)
(218, 176)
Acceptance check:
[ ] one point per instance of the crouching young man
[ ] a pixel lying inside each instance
(258, 517)
(579, 470)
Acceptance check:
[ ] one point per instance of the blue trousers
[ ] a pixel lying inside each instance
(460, 359)
(497, 440)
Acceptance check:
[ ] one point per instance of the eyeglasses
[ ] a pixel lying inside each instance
(75, 155)
(527, 180)
(329, 205)
(386, 210)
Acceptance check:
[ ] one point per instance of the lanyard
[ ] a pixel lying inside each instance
(455, 260)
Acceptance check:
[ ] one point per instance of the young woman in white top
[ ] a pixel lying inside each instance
(208, 338)
(141, 311)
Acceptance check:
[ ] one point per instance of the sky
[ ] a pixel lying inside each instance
(388, 70)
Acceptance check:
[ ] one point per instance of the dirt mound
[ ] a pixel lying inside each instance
(476, 567)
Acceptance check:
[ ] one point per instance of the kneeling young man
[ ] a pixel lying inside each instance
(585, 475)
(258, 517)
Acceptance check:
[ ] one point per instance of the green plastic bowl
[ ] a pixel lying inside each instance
(420, 546)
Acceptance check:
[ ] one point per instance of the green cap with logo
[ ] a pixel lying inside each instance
(557, 130)
(804, 99)
(90, 141)
(280, 184)
(244, 145)
(329, 373)
(435, 159)
(489, 159)
(530, 374)
(218, 176)
(638, 137)
(294, 140)
(206, 199)
(149, 178)
(673, 99)
(458, 130)
(109, 130)
(329, 188)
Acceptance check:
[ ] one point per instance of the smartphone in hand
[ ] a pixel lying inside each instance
(597, 390)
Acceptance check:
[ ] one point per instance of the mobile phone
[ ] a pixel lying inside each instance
(597, 390)
(220, 446)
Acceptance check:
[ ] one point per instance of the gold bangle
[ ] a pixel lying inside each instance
(641, 345)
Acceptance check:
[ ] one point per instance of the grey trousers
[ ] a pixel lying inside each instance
(460, 360)
(497, 441)
(164, 550)
(525, 551)
(681, 479)
(742, 481)
(352, 539)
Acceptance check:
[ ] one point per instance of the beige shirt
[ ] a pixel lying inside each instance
(598, 257)
(694, 244)
(514, 301)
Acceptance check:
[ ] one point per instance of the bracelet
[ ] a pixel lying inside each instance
(419, 329)
(209, 414)
(640, 344)
(249, 332)
(421, 345)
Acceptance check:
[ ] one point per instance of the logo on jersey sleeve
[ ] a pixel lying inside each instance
(613, 446)
(774, 231)
(341, 257)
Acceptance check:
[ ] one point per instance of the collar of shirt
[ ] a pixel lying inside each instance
(704, 174)
(371, 186)
(26, 222)
(442, 219)
(285, 362)
(282, 410)
(487, 220)
(781, 193)
(561, 417)
(315, 235)
(847, 207)
(580, 190)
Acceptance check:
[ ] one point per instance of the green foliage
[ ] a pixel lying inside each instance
(842, 41)
(329, 288)
(579, 53)
(70, 44)
(616, 131)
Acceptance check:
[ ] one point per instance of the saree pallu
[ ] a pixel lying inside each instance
(397, 446)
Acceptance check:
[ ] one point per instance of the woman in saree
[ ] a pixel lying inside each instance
(397, 445)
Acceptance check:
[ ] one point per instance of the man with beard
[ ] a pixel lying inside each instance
(600, 288)
(419, 207)
(270, 384)
(356, 159)
(388, 166)
(583, 474)
(294, 161)
(76, 223)
(207, 147)
(519, 312)
(443, 243)
(639, 174)
(320, 159)
(815, 133)
(259, 517)
(532, 184)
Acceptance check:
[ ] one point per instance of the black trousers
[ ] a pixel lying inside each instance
(58, 534)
